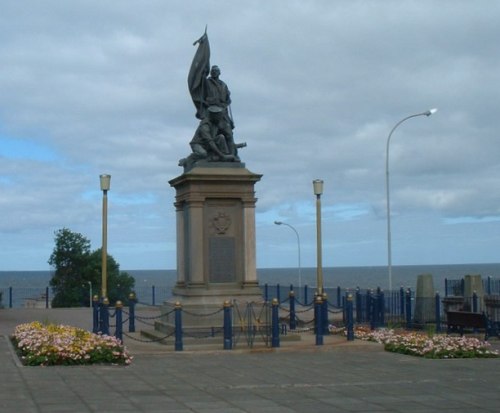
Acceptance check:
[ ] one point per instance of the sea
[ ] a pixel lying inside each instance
(345, 277)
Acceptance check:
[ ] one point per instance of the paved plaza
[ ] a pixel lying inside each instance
(340, 376)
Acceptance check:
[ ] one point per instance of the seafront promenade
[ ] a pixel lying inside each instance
(339, 376)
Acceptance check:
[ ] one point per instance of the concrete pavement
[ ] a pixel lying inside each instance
(340, 376)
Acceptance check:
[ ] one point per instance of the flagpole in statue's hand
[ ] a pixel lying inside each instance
(202, 37)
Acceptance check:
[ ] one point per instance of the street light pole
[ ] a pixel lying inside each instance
(388, 203)
(298, 245)
(105, 184)
(318, 190)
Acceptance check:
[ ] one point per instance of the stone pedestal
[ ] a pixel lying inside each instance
(216, 257)
(425, 305)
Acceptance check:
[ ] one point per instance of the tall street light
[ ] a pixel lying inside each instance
(318, 190)
(389, 249)
(298, 245)
(105, 183)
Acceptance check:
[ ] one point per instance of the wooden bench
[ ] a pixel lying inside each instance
(458, 320)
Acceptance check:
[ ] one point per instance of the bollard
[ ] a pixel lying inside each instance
(438, 312)
(119, 320)
(318, 322)
(324, 315)
(178, 326)
(105, 316)
(350, 318)
(293, 320)
(228, 326)
(275, 338)
(95, 314)
(408, 308)
(131, 312)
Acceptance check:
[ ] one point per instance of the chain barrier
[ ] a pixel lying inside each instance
(203, 315)
(151, 340)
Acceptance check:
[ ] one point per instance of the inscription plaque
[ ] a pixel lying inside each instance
(222, 259)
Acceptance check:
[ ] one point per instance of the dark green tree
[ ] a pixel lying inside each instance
(76, 265)
(70, 259)
(120, 283)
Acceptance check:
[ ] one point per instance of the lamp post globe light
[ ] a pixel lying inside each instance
(105, 185)
(298, 246)
(318, 191)
(388, 203)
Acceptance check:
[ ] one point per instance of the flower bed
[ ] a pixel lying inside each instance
(437, 347)
(39, 344)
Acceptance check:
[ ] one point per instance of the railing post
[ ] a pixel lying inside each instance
(95, 314)
(305, 294)
(10, 297)
(278, 293)
(446, 287)
(275, 338)
(350, 318)
(474, 302)
(324, 316)
(266, 292)
(402, 301)
(408, 308)
(359, 305)
(381, 307)
(46, 297)
(339, 296)
(317, 315)
(228, 326)
(293, 320)
(119, 320)
(131, 312)
(488, 285)
(105, 316)
(153, 294)
(178, 326)
(438, 312)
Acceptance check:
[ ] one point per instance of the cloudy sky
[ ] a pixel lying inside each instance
(91, 87)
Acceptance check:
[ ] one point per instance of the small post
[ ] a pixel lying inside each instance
(324, 315)
(228, 326)
(266, 292)
(381, 308)
(278, 293)
(446, 287)
(350, 318)
(408, 308)
(305, 294)
(119, 320)
(275, 339)
(10, 297)
(46, 297)
(339, 296)
(293, 319)
(178, 326)
(153, 298)
(488, 285)
(105, 316)
(317, 315)
(95, 314)
(131, 312)
(359, 306)
(438, 312)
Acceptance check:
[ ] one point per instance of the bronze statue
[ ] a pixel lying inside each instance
(213, 140)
